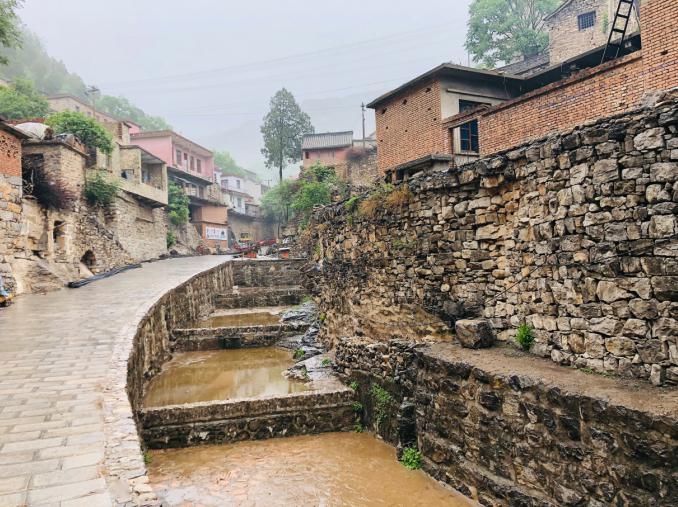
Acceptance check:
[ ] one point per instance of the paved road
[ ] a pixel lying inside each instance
(57, 366)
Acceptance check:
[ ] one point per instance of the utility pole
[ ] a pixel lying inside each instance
(362, 111)
(91, 91)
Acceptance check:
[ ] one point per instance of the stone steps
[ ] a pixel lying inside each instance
(200, 339)
(328, 409)
(252, 297)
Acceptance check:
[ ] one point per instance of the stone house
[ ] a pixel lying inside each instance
(191, 166)
(68, 102)
(578, 26)
(77, 240)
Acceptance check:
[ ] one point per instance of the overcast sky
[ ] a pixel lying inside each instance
(210, 66)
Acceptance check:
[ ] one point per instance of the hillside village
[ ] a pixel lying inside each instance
(487, 284)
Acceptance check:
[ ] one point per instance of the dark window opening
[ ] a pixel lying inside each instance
(199, 164)
(586, 20)
(383, 111)
(465, 105)
(468, 136)
(404, 102)
(88, 259)
(308, 155)
(59, 234)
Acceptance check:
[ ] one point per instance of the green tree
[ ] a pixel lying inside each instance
(501, 30)
(177, 204)
(21, 100)
(9, 31)
(224, 161)
(88, 130)
(276, 203)
(283, 129)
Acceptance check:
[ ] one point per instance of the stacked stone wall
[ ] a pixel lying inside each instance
(575, 235)
(10, 225)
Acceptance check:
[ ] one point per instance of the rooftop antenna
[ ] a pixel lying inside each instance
(92, 92)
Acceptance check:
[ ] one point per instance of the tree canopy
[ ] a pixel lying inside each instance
(88, 130)
(500, 31)
(317, 186)
(224, 161)
(9, 31)
(283, 129)
(21, 100)
(120, 107)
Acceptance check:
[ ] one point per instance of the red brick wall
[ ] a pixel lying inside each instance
(612, 88)
(659, 25)
(409, 126)
(10, 154)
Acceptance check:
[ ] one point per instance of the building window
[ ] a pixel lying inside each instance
(239, 202)
(586, 20)
(177, 160)
(199, 162)
(192, 164)
(308, 155)
(465, 105)
(237, 183)
(468, 136)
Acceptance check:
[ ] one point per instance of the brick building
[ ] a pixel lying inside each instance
(535, 100)
(10, 199)
(191, 166)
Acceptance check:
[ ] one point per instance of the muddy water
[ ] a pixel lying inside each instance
(240, 319)
(334, 469)
(222, 375)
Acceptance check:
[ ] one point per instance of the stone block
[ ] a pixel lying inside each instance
(474, 333)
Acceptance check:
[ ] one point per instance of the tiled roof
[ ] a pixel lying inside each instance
(327, 140)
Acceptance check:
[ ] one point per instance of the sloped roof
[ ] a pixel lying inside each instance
(327, 140)
(562, 6)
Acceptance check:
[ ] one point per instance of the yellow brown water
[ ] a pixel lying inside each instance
(222, 375)
(240, 319)
(333, 469)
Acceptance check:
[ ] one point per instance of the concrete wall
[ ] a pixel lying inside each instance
(257, 227)
(574, 235)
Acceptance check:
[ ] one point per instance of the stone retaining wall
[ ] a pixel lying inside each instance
(251, 419)
(268, 273)
(185, 340)
(575, 235)
(510, 429)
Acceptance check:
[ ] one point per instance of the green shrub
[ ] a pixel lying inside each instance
(357, 406)
(353, 385)
(359, 427)
(100, 191)
(299, 353)
(171, 239)
(382, 401)
(177, 204)
(351, 204)
(411, 458)
(327, 362)
(525, 336)
(88, 130)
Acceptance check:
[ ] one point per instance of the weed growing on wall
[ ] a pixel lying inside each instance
(88, 130)
(177, 204)
(171, 239)
(100, 191)
(382, 401)
(525, 336)
(411, 458)
(299, 353)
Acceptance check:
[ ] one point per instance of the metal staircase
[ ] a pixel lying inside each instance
(619, 26)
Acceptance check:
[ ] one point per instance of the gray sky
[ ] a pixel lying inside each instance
(210, 67)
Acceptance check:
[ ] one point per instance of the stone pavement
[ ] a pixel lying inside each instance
(67, 437)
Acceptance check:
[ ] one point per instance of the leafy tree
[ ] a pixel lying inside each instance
(21, 100)
(49, 75)
(100, 190)
(276, 203)
(501, 30)
(9, 32)
(177, 204)
(88, 130)
(228, 165)
(121, 107)
(283, 128)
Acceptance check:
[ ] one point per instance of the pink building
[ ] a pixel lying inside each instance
(191, 166)
(330, 148)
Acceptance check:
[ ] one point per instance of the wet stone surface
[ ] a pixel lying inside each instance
(334, 469)
(223, 375)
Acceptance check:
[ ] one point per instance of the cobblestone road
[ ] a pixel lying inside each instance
(55, 362)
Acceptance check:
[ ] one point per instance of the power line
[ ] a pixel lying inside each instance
(342, 47)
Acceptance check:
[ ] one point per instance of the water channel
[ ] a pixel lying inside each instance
(332, 469)
(223, 375)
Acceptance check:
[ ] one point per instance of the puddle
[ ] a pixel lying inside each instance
(241, 319)
(222, 375)
(333, 469)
